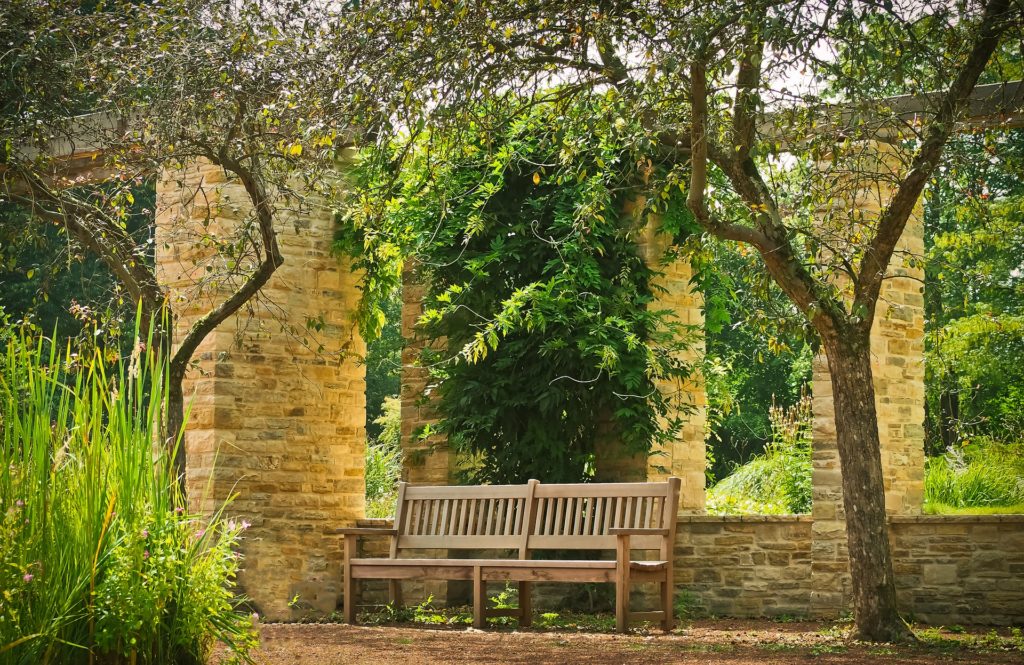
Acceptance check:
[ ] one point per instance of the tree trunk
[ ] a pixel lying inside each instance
(874, 590)
(949, 416)
(175, 442)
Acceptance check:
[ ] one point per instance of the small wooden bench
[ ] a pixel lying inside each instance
(520, 519)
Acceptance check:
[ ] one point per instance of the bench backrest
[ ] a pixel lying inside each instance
(533, 516)
(579, 516)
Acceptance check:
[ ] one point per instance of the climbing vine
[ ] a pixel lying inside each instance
(538, 302)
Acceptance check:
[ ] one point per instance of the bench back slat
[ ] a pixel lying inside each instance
(532, 516)
(481, 517)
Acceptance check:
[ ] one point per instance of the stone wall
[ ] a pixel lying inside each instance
(744, 565)
(949, 569)
(272, 419)
(960, 569)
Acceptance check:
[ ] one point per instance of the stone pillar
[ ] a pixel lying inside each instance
(273, 418)
(685, 457)
(897, 347)
(425, 460)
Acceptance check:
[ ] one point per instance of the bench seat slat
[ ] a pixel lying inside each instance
(459, 542)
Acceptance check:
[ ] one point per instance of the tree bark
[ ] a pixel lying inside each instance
(877, 618)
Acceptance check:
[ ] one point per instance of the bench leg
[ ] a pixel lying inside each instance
(668, 622)
(348, 601)
(395, 593)
(622, 585)
(525, 605)
(479, 598)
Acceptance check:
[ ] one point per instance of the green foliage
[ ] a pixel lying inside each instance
(536, 293)
(777, 481)
(757, 355)
(384, 461)
(383, 363)
(982, 474)
(97, 552)
(974, 296)
(58, 287)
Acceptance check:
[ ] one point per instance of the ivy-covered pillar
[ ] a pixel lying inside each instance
(897, 366)
(685, 456)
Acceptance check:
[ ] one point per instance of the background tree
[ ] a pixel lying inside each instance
(255, 89)
(729, 97)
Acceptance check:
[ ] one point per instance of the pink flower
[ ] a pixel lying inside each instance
(245, 525)
(200, 533)
(28, 577)
(145, 533)
(179, 510)
(145, 554)
(19, 503)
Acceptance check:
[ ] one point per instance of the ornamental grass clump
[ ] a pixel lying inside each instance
(982, 474)
(777, 481)
(100, 561)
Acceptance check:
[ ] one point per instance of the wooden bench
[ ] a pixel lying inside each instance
(520, 519)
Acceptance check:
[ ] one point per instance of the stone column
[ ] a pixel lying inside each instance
(425, 460)
(685, 457)
(273, 418)
(897, 346)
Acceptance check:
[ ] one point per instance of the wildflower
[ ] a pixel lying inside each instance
(145, 533)
(245, 525)
(179, 510)
(200, 533)
(145, 554)
(19, 503)
(28, 577)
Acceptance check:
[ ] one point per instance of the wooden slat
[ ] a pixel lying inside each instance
(510, 514)
(558, 524)
(549, 516)
(598, 516)
(414, 513)
(577, 516)
(601, 489)
(401, 516)
(477, 542)
(460, 528)
(488, 525)
(435, 521)
(465, 492)
(520, 515)
(442, 527)
(605, 542)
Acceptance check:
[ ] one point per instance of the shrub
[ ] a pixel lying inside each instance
(384, 462)
(777, 481)
(99, 559)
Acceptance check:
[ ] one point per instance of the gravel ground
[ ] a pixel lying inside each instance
(714, 641)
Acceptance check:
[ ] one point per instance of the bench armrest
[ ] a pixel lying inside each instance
(629, 531)
(361, 531)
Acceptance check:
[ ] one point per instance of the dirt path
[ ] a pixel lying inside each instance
(720, 641)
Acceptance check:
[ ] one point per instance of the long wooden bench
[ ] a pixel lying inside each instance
(519, 520)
